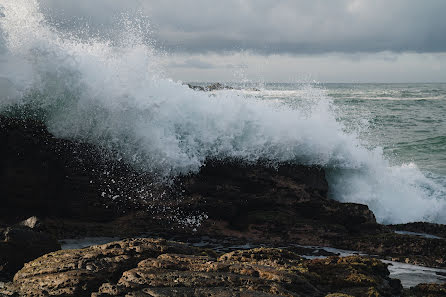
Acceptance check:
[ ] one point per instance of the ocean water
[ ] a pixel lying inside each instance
(404, 123)
(382, 145)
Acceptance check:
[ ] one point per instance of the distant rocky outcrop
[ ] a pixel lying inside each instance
(148, 267)
(437, 230)
(216, 87)
(210, 87)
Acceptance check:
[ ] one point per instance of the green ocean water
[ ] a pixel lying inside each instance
(408, 121)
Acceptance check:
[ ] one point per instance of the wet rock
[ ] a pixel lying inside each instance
(78, 272)
(148, 267)
(8, 289)
(21, 244)
(401, 248)
(43, 176)
(209, 88)
(428, 290)
(32, 223)
(196, 88)
(261, 203)
(422, 227)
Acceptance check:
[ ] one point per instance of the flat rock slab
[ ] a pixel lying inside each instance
(156, 267)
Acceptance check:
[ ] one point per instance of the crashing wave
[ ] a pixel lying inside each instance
(114, 95)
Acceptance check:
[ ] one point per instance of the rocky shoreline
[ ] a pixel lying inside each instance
(77, 190)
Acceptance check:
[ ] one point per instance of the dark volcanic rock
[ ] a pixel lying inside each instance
(258, 202)
(20, 244)
(147, 267)
(422, 227)
(401, 248)
(428, 290)
(44, 176)
(211, 87)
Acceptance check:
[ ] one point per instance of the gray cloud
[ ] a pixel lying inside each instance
(199, 63)
(271, 26)
(193, 63)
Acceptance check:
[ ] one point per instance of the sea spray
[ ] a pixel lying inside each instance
(115, 96)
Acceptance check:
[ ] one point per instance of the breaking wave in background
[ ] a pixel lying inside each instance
(114, 95)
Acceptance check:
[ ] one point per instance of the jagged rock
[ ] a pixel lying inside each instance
(196, 88)
(422, 227)
(8, 289)
(32, 223)
(44, 176)
(402, 248)
(211, 87)
(21, 244)
(258, 202)
(428, 290)
(148, 267)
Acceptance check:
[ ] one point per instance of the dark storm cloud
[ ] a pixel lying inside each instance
(272, 26)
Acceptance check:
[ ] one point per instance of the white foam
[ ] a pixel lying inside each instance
(424, 235)
(115, 95)
(412, 275)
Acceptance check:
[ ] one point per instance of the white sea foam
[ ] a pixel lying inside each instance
(114, 95)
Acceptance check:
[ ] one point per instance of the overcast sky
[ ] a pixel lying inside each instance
(283, 40)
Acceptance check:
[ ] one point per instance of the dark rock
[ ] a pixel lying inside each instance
(428, 290)
(216, 86)
(422, 227)
(147, 267)
(262, 203)
(400, 248)
(44, 176)
(196, 88)
(21, 244)
(209, 88)
(33, 223)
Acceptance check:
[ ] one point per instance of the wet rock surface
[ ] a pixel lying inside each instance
(210, 87)
(422, 228)
(402, 248)
(148, 267)
(215, 87)
(22, 243)
(428, 290)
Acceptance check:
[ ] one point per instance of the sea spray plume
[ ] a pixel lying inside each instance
(106, 94)
(114, 95)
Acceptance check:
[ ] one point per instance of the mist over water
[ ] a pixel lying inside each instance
(115, 95)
